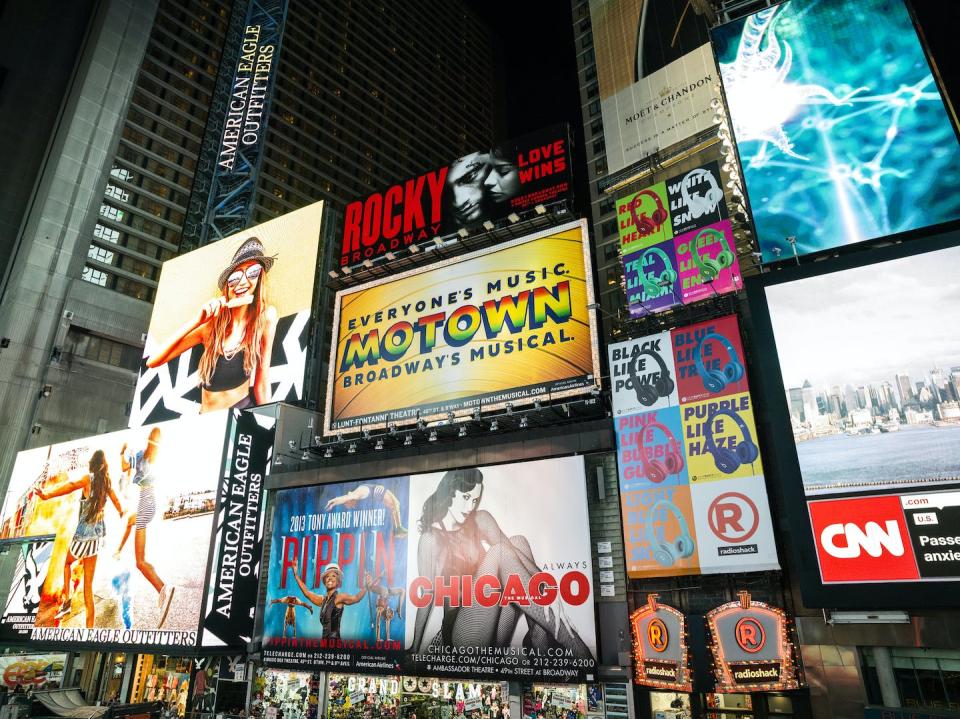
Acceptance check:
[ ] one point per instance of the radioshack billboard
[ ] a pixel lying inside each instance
(656, 74)
(507, 324)
(422, 574)
(692, 489)
(126, 519)
(487, 184)
(676, 242)
(868, 414)
(231, 322)
(840, 142)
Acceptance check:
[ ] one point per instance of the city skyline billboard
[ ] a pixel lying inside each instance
(487, 184)
(656, 76)
(117, 533)
(872, 389)
(692, 489)
(411, 574)
(676, 242)
(231, 320)
(506, 324)
(838, 145)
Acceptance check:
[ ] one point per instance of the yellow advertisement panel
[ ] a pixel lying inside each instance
(506, 324)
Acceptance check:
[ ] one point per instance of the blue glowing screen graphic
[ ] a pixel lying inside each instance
(839, 123)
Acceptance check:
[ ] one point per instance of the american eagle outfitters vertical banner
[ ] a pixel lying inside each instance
(676, 242)
(430, 574)
(234, 575)
(507, 324)
(693, 495)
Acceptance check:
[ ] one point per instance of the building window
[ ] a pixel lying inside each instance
(93, 276)
(85, 344)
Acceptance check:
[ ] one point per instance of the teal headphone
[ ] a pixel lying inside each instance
(668, 552)
(710, 266)
(658, 286)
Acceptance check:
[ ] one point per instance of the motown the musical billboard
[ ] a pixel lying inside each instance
(508, 324)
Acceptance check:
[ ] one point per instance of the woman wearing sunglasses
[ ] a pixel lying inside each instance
(236, 330)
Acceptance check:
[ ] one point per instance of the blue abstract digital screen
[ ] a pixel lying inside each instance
(840, 126)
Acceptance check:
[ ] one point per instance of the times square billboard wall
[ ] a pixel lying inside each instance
(117, 531)
(864, 396)
(427, 574)
(841, 141)
(676, 242)
(692, 489)
(656, 75)
(488, 184)
(505, 324)
(231, 321)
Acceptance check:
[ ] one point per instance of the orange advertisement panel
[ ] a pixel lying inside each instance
(506, 324)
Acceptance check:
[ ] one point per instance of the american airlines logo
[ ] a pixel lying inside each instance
(862, 539)
(872, 539)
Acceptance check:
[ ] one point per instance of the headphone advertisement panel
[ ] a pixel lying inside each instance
(691, 478)
(428, 574)
(507, 324)
(676, 242)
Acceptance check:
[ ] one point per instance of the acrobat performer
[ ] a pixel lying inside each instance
(333, 602)
(290, 617)
(385, 613)
(381, 495)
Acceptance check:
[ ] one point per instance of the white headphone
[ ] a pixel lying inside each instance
(700, 205)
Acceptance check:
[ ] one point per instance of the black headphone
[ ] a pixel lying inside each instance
(648, 394)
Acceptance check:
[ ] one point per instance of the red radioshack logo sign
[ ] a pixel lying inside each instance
(733, 517)
(862, 539)
(750, 635)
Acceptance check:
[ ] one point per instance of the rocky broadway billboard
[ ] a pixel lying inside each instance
(436, 574)
(506, 324)
(118, 528)
(488, 184)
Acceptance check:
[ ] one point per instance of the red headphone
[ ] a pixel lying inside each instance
(648, 225)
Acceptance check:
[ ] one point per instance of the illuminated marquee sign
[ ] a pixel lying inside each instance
(751, 647)
(661, 658)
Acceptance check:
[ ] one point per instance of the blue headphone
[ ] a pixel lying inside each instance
(716, 380)
(727, 460)
(662, 387)
(667, 553)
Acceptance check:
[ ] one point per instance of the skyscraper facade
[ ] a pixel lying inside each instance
(365, 94)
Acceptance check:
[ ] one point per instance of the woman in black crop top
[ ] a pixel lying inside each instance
(236, 330)
(458, 539)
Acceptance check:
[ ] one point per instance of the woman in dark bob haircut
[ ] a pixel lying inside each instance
(457, 539)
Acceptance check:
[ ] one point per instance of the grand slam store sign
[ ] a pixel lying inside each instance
(507, 325)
